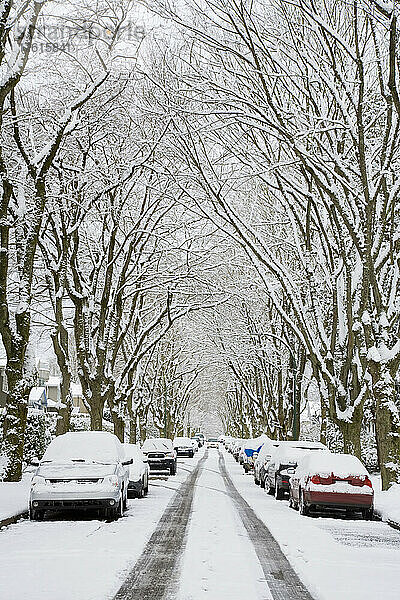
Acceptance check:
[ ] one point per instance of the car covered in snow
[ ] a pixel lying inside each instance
(83, 470)
(249, 451)
(138, 484)
(160, 454)
(212, 442)
(183, 446)
(200, 438)
(335, 481)
(195, 444)
(283, 463)
(262, 459)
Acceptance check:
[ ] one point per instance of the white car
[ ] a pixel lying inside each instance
(83, 470)
(183, 446)
(212, 443)
(139, 470)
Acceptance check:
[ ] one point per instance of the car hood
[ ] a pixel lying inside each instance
(75, 470)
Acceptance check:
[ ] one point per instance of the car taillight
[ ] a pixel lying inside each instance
(320, 480)
(360, 481)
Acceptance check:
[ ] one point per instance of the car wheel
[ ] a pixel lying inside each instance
(303, 506)
(368, 514)
(125, 502)
(36, 515)
(278, 492)
(262, 483)
(268, 488)
(256, 481)
(146, 487)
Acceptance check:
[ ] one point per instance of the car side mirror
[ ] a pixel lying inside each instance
(34, 462)
(127, 462)
(145, 460)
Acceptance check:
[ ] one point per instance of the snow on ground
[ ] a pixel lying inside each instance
(387, 504)
(219, 561)
(60, 559)
(337, 559)
(14, 497)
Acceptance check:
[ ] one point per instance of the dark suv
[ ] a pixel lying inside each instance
(161, 455)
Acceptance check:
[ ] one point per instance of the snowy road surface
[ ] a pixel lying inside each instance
(207, 541)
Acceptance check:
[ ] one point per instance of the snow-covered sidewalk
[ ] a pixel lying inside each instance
(336, 559)
(14, 497)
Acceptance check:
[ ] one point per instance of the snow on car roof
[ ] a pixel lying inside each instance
(97, 446)
(341, 465)
(289, 454)
(255, 443)
(157, 444)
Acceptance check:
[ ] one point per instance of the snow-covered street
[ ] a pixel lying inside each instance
(220, 550)
(81, 559)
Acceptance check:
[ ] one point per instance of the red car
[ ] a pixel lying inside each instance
(325, 480)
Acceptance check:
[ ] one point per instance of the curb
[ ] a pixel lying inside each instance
(14, 519)
(393, 524)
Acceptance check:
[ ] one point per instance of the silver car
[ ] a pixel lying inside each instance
(139, 470)
(85, 470)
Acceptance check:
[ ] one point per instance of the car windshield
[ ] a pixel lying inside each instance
(212, 440)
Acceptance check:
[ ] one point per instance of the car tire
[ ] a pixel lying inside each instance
(36, 515)
(268, 488)
(304, 509)
(172, 470)
(125, 502)
(146, 487)
(118, 511)
(368, 514)
(262, 483)
(278, 492)
(256, 481)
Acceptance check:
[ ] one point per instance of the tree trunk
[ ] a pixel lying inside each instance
(351, 431)
(64, 414)
(387, 424)
(119, 426)
(96, 414)
(15, 419)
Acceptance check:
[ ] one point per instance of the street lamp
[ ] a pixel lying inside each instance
(295, 431)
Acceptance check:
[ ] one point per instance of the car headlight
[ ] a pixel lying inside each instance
(111, 480)
(38, 480)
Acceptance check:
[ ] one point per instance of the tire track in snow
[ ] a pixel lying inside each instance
(279, 574)
(155, 571)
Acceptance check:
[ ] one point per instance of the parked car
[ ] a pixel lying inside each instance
(249, 451)
(183, 446)
(335, 481)
(85, 470)
(283, 463)
(200, 438)
(160, 454)
(195, 444)
(236, 447)
(262, 459)
(212, 443)
(139, 470)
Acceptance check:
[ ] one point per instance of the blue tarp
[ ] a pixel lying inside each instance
(250, 451)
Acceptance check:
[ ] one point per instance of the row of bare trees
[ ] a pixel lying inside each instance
(289, 140)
